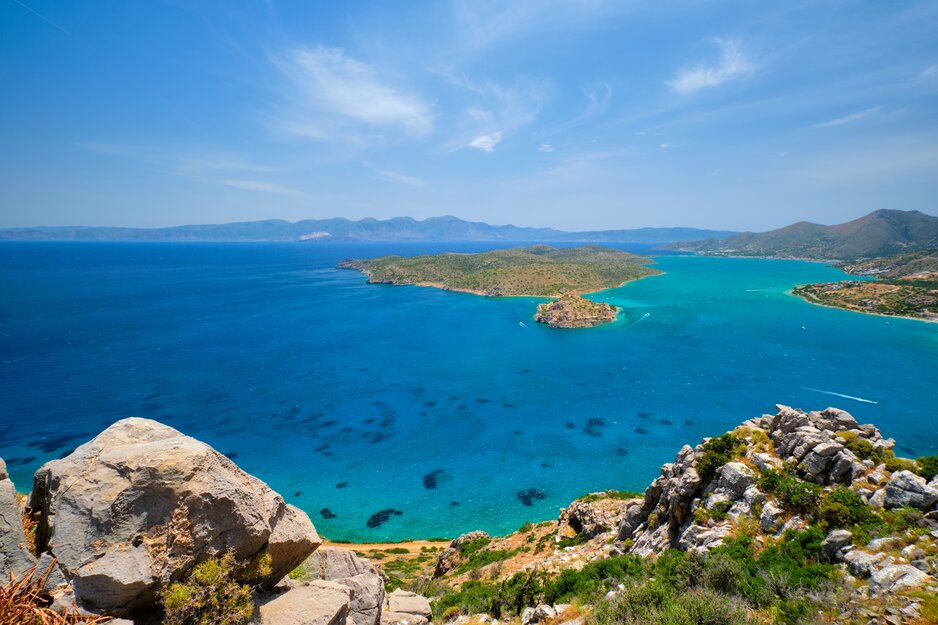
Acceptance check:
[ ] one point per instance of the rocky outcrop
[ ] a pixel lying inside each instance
(905, 489)
(589, 518)
(309, 603)
(573, 311)
(677, 508)
(406, 608)
(15, 557)
(449, 557)
(141, 504)
(360, 576)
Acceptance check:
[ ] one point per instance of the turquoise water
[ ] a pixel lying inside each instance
(361, 398)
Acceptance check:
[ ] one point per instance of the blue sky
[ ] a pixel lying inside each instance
(572, 114)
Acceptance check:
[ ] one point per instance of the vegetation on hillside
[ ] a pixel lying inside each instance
(905, 285)
(537, 271)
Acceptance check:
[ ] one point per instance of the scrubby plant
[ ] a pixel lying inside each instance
(927, 466)
(716, 452)
(651, 604)
(595, 577)
(212, 593)
(844, 508)
(793, 492)
(701, 515)
(900, 464)
(609, 494)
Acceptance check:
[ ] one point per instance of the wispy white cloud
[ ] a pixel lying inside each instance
(930, 72)
(849, 119)
(333, 96)
(410, 181)
(483, 23)
(545, 147)
(665, 146)
(496, 109)
(486, 143)
(260, 186)
(733, 64)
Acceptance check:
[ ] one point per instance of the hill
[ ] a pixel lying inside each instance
(881, 233)
(445, 228)
(536, 271)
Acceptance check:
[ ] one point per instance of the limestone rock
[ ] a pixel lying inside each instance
(771, 517)
(859, 563)
(892, 578)
(402, 618)
(835, 542)
(342, 566)
(141, 504)
(409, 603)
(314, 603)
(592, 518)
(735, 478)
(907, 489)
(449, 557)
(15, 557)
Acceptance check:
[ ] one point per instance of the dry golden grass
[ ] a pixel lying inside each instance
(23, 602)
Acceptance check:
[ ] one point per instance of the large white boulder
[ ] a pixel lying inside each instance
(141, 504)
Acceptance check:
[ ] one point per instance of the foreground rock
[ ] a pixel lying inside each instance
(573, 311)
(141, 504)
(406, 608)
(309, 603)
(15, 557)
(343, 567)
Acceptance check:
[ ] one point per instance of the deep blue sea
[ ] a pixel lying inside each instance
(441, 406)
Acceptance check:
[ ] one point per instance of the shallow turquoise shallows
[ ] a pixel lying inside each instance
(457, 411)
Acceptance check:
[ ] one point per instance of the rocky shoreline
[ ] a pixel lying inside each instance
(115, 527)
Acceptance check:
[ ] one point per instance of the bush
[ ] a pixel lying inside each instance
(716, 452)
(210, 595)
(596, 576)
(508, 597)
(652, 604)
(901, 464)
(793, 492)
(928, 466)
(844, 508)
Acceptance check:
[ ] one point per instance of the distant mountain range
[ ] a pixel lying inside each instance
(881, 233)
(339, 229)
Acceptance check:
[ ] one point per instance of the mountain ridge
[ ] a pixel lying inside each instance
(880, 233)
(442, 228)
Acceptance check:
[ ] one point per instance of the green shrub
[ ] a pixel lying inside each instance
(397, 550)
(716, 452)
(508, 597)
(470, 547)
(596, 576)
(928, 466)
(571, 541)
(719, 510)
(210, 595)
(901, 464)
(793, 492)
(527, 527)
(652, 604)
(844, 508)
(610, 494)
(701, 515)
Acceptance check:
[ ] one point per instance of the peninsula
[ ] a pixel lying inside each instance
(905, 285)
(535, 271)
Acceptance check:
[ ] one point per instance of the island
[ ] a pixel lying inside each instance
(573, 311)
(904, 285)
(535, 271)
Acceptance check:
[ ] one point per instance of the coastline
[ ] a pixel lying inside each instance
(861, 312)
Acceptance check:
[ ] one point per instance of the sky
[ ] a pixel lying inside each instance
(573, 114)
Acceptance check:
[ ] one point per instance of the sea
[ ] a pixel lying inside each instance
(397, 412)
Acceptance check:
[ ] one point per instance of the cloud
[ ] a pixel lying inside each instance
(261, 186)
(332, 96)
(733, 64)
(546, 147)
(848, 119)
(665, 146)
(410, 181)
(483, 23)
(930, 71)
(487, 142)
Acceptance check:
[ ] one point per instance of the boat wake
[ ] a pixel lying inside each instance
(642, 318)
(860, 399)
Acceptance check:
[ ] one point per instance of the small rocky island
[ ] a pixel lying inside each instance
(573, 311)
(535, 271)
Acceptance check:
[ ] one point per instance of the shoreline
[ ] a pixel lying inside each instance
(854, 310)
